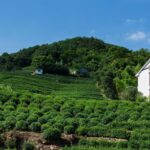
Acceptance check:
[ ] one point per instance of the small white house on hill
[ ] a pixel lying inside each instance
(144, 79)
(39, 71)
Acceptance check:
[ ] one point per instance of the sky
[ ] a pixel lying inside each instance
(25, 23)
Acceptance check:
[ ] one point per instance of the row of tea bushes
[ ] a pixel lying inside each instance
(52, 115)
(140, 139)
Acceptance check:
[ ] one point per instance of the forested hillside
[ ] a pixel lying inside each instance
(113, 67)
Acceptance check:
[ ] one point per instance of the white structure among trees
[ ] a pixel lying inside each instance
(144, 79)
(39, 71)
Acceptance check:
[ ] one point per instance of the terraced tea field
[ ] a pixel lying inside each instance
(51, 84)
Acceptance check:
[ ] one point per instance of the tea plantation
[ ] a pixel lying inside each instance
(66, 86)
(56, 105)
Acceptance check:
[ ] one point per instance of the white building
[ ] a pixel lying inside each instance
(39, 71)
(144, 79)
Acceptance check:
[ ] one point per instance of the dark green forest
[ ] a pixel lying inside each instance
(112, 67)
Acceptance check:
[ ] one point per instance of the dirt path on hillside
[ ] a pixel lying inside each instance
(104, 138)
(41, 144)
(35, 138)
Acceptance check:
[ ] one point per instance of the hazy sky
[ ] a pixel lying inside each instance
(25, 23)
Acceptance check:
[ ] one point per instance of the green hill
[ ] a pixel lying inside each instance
(73, 112)
(112, 67)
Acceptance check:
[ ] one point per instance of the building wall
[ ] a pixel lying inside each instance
(39, 71)
(143, 82)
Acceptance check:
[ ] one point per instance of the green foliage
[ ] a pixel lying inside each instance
(72, 53)
(51, 134)
(57, 104)
(116, 75)
(140, 98)
(100, 143)
(2, 142)
(21, 125)
(82, 130)
(113, 67)
(28, 146)
(140, 139)
(69, 129)
(96, 120)
(10, 143)
(61, 86)
(107, 84)
(48, 65)
(35, 127)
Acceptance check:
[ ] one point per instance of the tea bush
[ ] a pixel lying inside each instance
(53, 115)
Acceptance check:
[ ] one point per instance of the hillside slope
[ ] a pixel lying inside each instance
(97, 124)
(51, 84)
(113, 67)
(53, 105)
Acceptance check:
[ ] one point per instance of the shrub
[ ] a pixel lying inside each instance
(99, 143)
(119, 133)
(46, 108)
(67, 115)
(1, 141)
(10, 143)
(35, 126)
(93, 122)
(72, 122)
(97, 131)
(57, 106)
(21, 125)
(134, 144)
(32, 118)
(130, 93)
(51, 134)
(140, 98)
(145, 144)
(59, 126)
(88, 110)
(81, 115)
(122, 145)
(28, 146)
(42, 120)
(45, 127)
(69, 129)
(21, 116)
(82, 131)
(9, 124)
(21, 109)
(108, 117)
(25, 100)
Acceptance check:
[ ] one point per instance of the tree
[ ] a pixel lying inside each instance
(106, 82)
